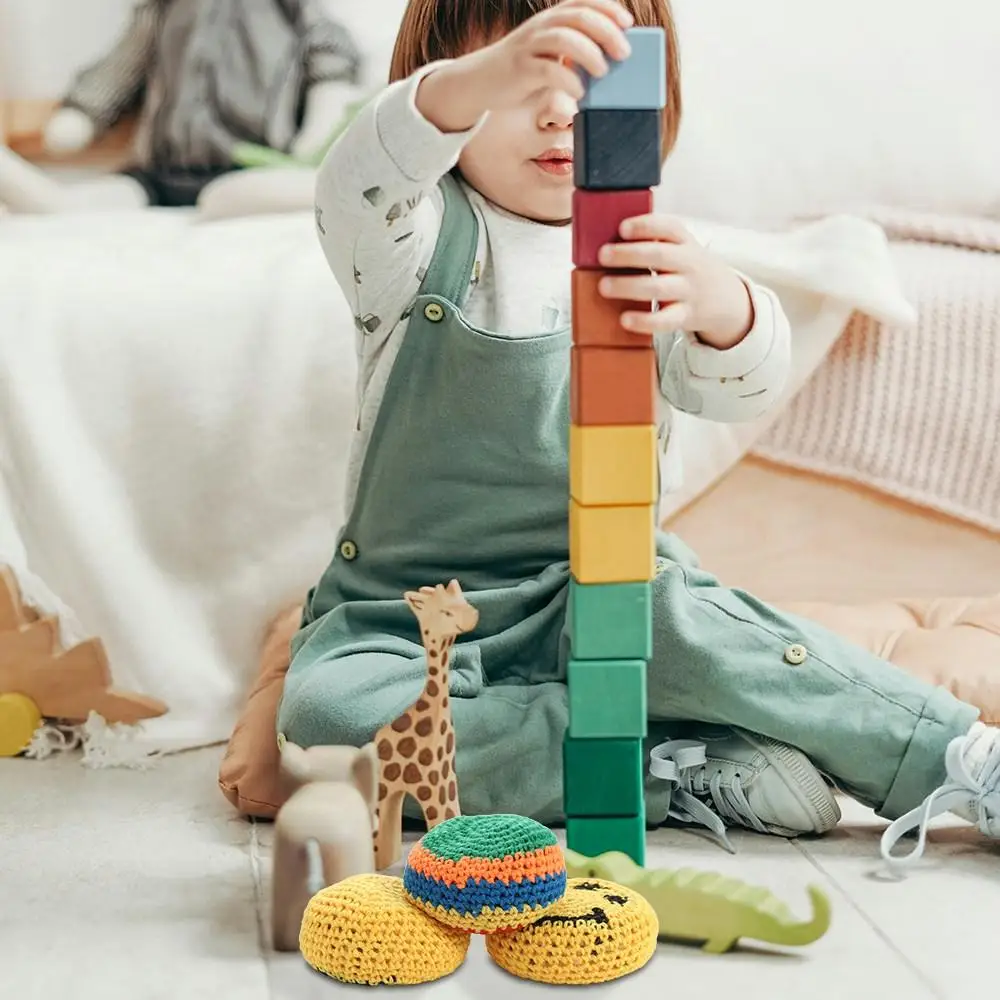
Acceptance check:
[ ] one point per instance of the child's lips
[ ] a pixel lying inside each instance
(560, 165)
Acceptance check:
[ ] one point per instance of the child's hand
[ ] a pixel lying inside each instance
(694, 289)
(539, 54)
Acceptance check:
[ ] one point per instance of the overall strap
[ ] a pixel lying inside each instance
(450, 269)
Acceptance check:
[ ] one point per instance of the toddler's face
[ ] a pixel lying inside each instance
(522, 158)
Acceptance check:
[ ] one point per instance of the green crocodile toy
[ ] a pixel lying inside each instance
(706, 906)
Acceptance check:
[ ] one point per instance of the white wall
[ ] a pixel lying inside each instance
(44, 42)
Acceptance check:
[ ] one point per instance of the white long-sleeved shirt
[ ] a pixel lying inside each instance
(378, 214)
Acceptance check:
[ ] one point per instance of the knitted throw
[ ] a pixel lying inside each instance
(482, 873)
(597, 932)
(914, 413)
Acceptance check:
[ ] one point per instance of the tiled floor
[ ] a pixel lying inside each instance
(126, 885)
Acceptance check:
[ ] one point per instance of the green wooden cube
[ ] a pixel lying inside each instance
(607, 698)
(592, 835)
(602, 777)
(610, 621)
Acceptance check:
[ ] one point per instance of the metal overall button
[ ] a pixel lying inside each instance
(434, 312)
(348, 550)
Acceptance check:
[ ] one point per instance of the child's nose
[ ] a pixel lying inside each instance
(556, 110)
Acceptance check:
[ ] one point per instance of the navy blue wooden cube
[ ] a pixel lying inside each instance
(617, 150)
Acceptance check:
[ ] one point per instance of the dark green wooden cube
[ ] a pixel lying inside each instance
(602, 777)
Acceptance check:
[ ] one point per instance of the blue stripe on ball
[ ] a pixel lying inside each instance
(479, 894)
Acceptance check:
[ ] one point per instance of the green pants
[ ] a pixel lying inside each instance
(719, 657)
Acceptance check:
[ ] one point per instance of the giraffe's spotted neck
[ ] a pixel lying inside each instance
(438, 650)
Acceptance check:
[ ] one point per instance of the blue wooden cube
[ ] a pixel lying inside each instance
(638, 83)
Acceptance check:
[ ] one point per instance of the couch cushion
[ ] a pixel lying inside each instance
(249, 773)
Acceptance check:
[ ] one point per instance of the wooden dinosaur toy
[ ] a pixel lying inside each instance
(707, 907)
(323, 832)
(41, 680)
(417, 750)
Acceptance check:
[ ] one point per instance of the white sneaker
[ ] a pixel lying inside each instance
(972, 791)
(736, 778)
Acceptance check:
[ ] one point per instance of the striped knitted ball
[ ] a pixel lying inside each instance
(486, 873)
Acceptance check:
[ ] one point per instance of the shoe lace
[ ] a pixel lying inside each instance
(962, 789)
(698, 793)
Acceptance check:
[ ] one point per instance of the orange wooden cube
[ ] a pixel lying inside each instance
(597, 320)
(612, 386)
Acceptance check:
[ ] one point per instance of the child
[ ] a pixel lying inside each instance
(443, 212)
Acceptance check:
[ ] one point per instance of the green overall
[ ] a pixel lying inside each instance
(466, 476)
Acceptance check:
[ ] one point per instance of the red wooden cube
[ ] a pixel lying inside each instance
(597, 216)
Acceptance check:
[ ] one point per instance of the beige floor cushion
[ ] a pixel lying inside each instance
(953, 642)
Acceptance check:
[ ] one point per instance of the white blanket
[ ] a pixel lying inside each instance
(176, 403)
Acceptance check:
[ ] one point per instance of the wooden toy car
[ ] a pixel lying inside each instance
(39, 679)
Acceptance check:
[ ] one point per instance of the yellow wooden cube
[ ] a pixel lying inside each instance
(612, 544)
(613, 466)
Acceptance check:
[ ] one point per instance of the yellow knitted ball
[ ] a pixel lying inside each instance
(597, 932)
(362, 930)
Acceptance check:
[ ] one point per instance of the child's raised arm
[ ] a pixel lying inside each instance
(377, 224)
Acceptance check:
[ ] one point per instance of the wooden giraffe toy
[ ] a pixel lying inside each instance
(417, 751)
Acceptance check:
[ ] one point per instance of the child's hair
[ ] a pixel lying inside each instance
(446, 29)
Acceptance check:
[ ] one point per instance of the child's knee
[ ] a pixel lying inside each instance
(343, 702)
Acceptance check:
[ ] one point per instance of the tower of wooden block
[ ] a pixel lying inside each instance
(613, 463)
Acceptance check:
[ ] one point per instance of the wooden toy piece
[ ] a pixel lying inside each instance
(14, 613)
(323, 832)
(607, 698)
(603, 777)
(417, 750)
(617, 150)
(63, 684)
(609, 386)
(608, 620)
(706, 907)
(613, 466)
(594, 835)
(597, 320)
(611, 544)
(635, 83)
(597, 219)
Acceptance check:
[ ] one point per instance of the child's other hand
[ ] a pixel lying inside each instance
(694, 289)
(539, 54)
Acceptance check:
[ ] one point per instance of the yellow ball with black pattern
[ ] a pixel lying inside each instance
(597, 932)
(363, 930)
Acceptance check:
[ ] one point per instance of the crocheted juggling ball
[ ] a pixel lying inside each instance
(482, 873)
(597, 932)
(362, 930)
